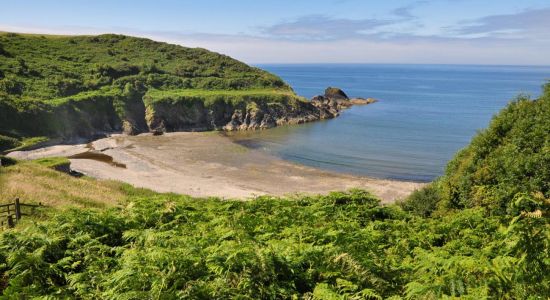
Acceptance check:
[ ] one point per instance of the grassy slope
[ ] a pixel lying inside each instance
(508, 159)
(236, 98)
(58, 85)
(160, 94)
(48, 67)
(37, 182)
(505, 163)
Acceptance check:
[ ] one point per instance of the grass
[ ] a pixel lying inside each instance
(246, 98)
(52, 162)
(36, 181)
(69, 65)
(158, 94)
(27, 143)
(84, 96)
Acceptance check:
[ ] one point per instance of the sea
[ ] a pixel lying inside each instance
(425, 114)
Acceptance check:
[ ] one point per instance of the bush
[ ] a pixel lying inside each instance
(511, 156)
(422, 202)
(166, 246)
(66, 86)
(7, 161)
(11, 86)
(7, 143)
(53, 162)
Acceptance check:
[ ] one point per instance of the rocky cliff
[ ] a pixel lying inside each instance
(241, 112)
(230, 113)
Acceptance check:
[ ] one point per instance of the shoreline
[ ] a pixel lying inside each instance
(205, 164)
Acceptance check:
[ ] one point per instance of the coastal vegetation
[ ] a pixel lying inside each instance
(481, 231)
(69, 87)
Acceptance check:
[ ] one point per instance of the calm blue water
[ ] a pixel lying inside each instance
(425, 114)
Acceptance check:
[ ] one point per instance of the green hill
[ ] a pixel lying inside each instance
(81, 86)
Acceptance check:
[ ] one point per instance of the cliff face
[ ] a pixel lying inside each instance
(229, 115)
(67, 120)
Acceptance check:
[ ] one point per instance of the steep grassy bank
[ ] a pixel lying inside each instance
(39, 182)
(81, 86)
(505, 163)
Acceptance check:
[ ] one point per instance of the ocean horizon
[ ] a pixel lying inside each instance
(425, 114)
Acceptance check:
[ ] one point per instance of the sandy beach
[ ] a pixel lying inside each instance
(207, 164)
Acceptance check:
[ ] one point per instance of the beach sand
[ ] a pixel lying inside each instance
(208, 164)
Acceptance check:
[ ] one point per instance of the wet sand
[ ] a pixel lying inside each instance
(207, 164)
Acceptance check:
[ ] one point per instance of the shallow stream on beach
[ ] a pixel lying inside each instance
(426, 113)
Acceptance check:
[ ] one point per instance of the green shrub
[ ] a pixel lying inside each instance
(52, 162)
(171, 247)
(7, 143)
(11, 86)
(422, 202)
(7, 161)
(511, 156)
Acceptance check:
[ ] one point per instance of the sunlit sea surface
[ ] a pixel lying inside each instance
(426, 113)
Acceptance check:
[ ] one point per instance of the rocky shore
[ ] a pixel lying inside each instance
(259, 116)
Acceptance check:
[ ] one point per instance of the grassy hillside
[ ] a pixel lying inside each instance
(509, 159)
(41, 67)
(67, 86)
(504, 164)
(38, 182)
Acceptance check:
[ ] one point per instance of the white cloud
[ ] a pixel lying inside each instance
(489, 40)
(529, 24)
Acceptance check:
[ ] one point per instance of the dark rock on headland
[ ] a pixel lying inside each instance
(335, 93)
(334, 100)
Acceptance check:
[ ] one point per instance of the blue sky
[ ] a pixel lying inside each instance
(300, 31)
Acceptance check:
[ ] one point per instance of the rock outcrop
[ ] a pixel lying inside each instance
(335, 93)
(194, 115)
(334, 100)
(168, 117)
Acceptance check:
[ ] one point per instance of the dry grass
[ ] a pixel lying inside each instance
(34, 183)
